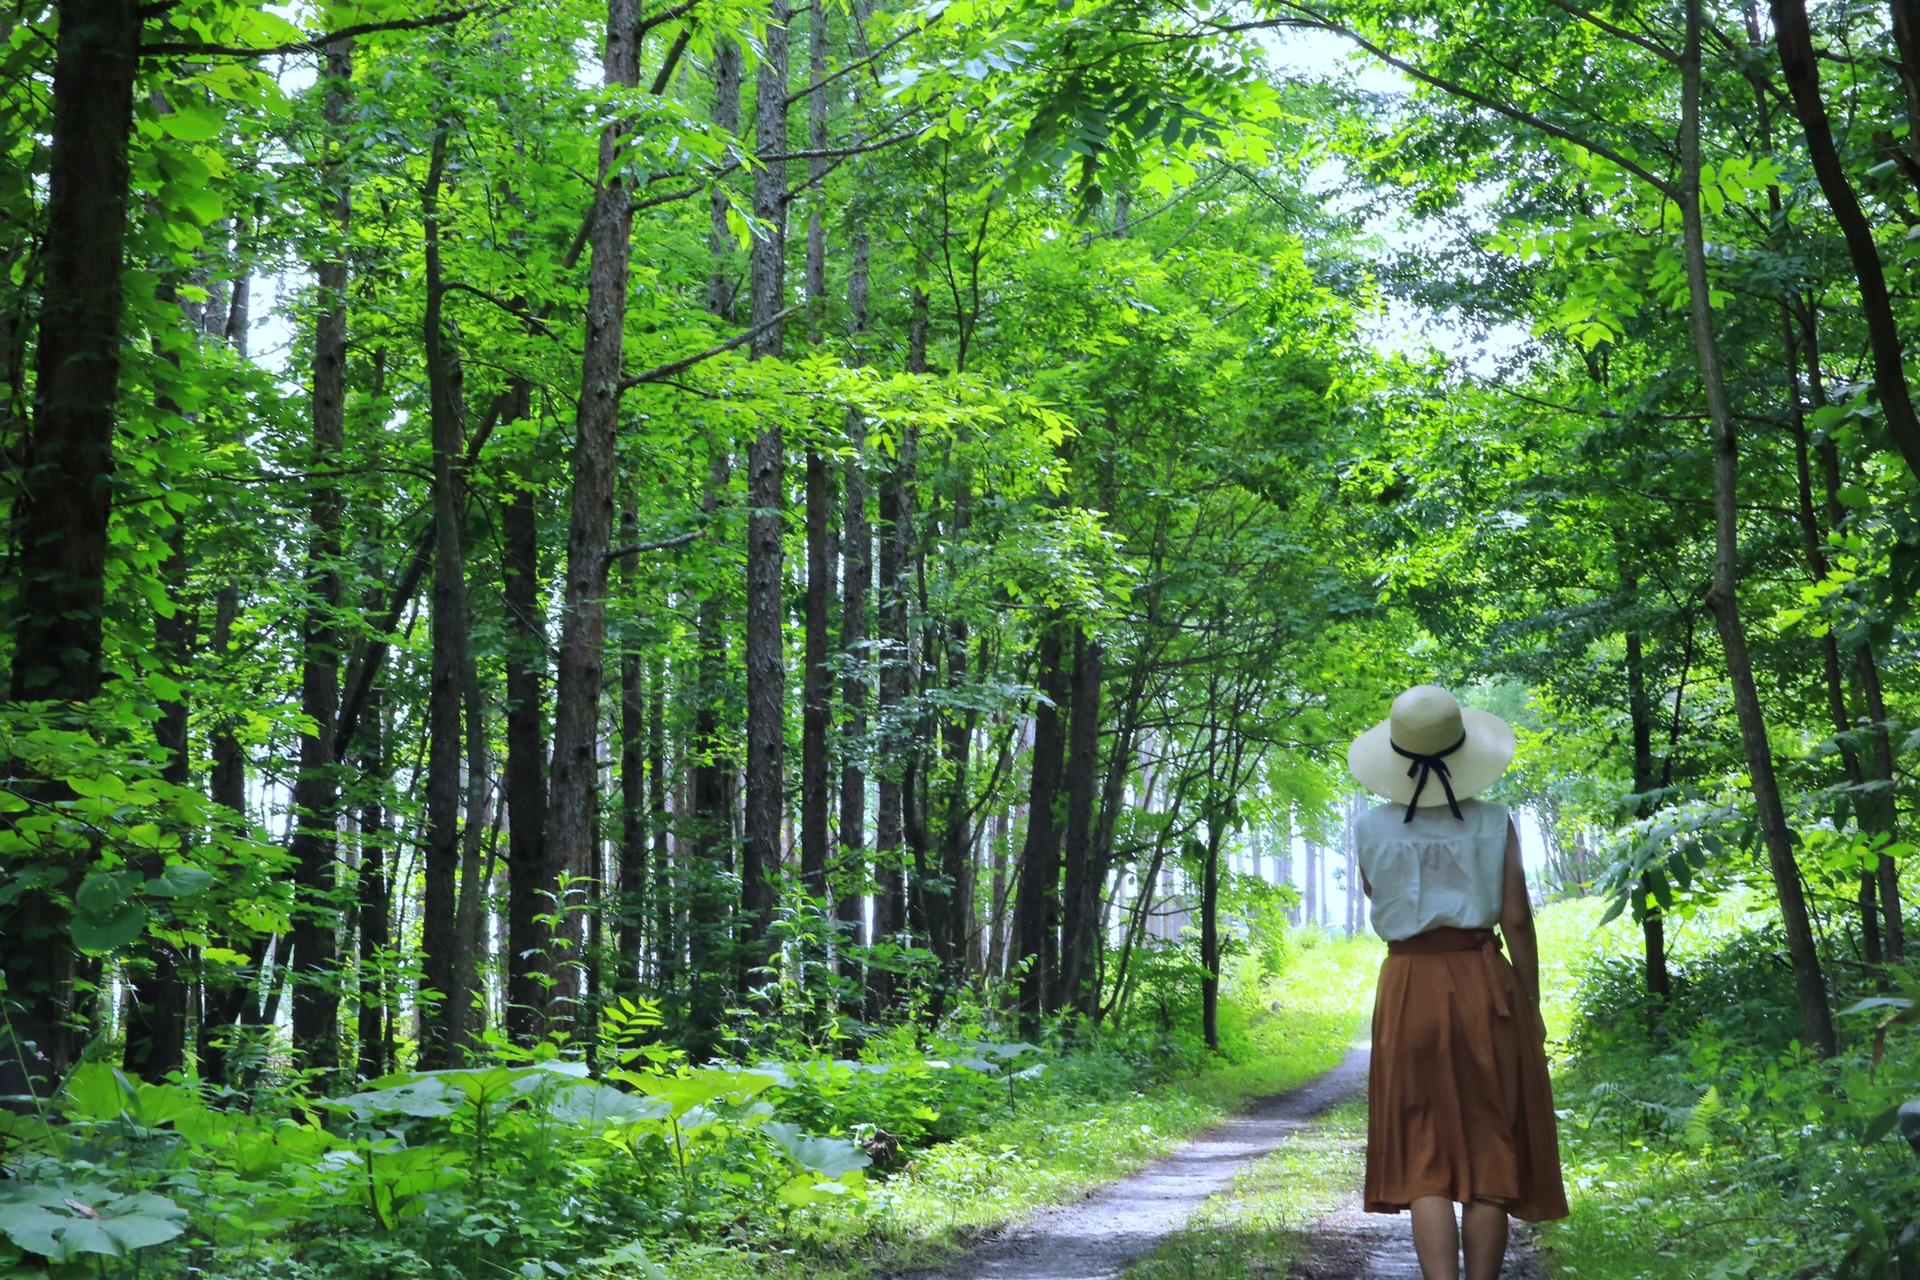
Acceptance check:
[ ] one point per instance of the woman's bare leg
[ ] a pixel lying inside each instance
(1436, 1238)
(1485, 1227)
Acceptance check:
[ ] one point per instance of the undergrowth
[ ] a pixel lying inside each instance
(1699, 1139)
(526, 1167)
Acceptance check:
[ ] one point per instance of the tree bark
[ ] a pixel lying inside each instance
(816, 783)
(1797, 59)
(1036, 900)
(709, 833)
(1876, 806)
(1905, 16)
(1723, 596)
(583, 617)
(856, 548)
(1084, 878)
(1210, 936)
(633, 777)
(375, 902)
(766, 520)
(447, 961)
(316, 1002)
(1653, 924)
(530, 883)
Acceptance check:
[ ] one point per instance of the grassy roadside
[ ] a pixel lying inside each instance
(1698, 1141)
(1284, 1030)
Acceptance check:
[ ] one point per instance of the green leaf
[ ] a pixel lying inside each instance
(97, 1091)
(178, 881)
(105, 932)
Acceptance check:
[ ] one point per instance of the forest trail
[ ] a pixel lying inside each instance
(1100, 1236)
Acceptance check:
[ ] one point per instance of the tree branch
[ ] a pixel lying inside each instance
(640, 548)
(660, 373)
(518, 313)
(871, 58)
(1513, 113)
(200, 49)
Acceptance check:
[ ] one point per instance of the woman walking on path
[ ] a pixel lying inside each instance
(1460, 1109)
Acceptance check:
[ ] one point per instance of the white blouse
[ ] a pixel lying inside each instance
(1435, 870)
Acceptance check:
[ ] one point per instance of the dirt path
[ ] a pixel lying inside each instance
(1099, 1237)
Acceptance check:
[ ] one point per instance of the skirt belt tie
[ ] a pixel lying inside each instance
(1445, 940)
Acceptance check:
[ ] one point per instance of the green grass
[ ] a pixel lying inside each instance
(1263, 1228)
(1285, 1030)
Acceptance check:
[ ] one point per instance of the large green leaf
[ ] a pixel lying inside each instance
(62, 1223)
(830, 1157)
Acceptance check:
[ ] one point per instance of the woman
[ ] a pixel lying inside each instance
(1460, 1109)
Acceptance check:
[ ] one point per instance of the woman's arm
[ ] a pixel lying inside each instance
(1516, 923)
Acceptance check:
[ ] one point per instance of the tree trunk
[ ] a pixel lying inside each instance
(816, 784)
(1210, 935)
(666, 946)
(1905, 16)
(1653, 925)
(316, 1002)
(530, 883)
(375, 902)
(856, 547)
(1079, 931)
(1876, 807)
(709, 832)
(1798, 61)
(583, 618)
(1723, 596)
(633, 778)
(442, 940)
(766, 504)
(1036, 900)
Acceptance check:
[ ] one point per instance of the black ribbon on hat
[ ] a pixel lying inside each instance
(1426, 766)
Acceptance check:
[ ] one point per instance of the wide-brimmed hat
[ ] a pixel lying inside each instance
(1431, 749)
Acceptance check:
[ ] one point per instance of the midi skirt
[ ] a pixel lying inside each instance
(1459, 1103)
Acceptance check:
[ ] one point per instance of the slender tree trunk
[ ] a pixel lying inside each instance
(709, 952)
(1036, 901)
(1797, 58)
(442, 939)
(633, 778)
(316, 1001)
(1079, 931)
(1876, 807)
(666, 946)
(1210, 936)
(856, 545)
(816, 783)
(1723, 596)
(530, 883)
(375, 901)
(1905, 15)
(766, 521)
(1653, 924)
(583, 618)
(1831, 668)
(891, 827)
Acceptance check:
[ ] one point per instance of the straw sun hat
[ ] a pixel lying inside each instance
(1431, 749)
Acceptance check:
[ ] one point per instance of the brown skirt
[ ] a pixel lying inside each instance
(1459, 1104)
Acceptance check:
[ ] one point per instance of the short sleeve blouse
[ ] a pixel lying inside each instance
(1436, 870)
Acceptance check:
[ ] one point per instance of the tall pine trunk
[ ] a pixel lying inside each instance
(374, 903)
(816, 782)
(530, 884)
(856, 547)
(633, 776)
(1084, 877)
(583, 617)
(316, 1001)
(766, 504)
(1036, 895)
